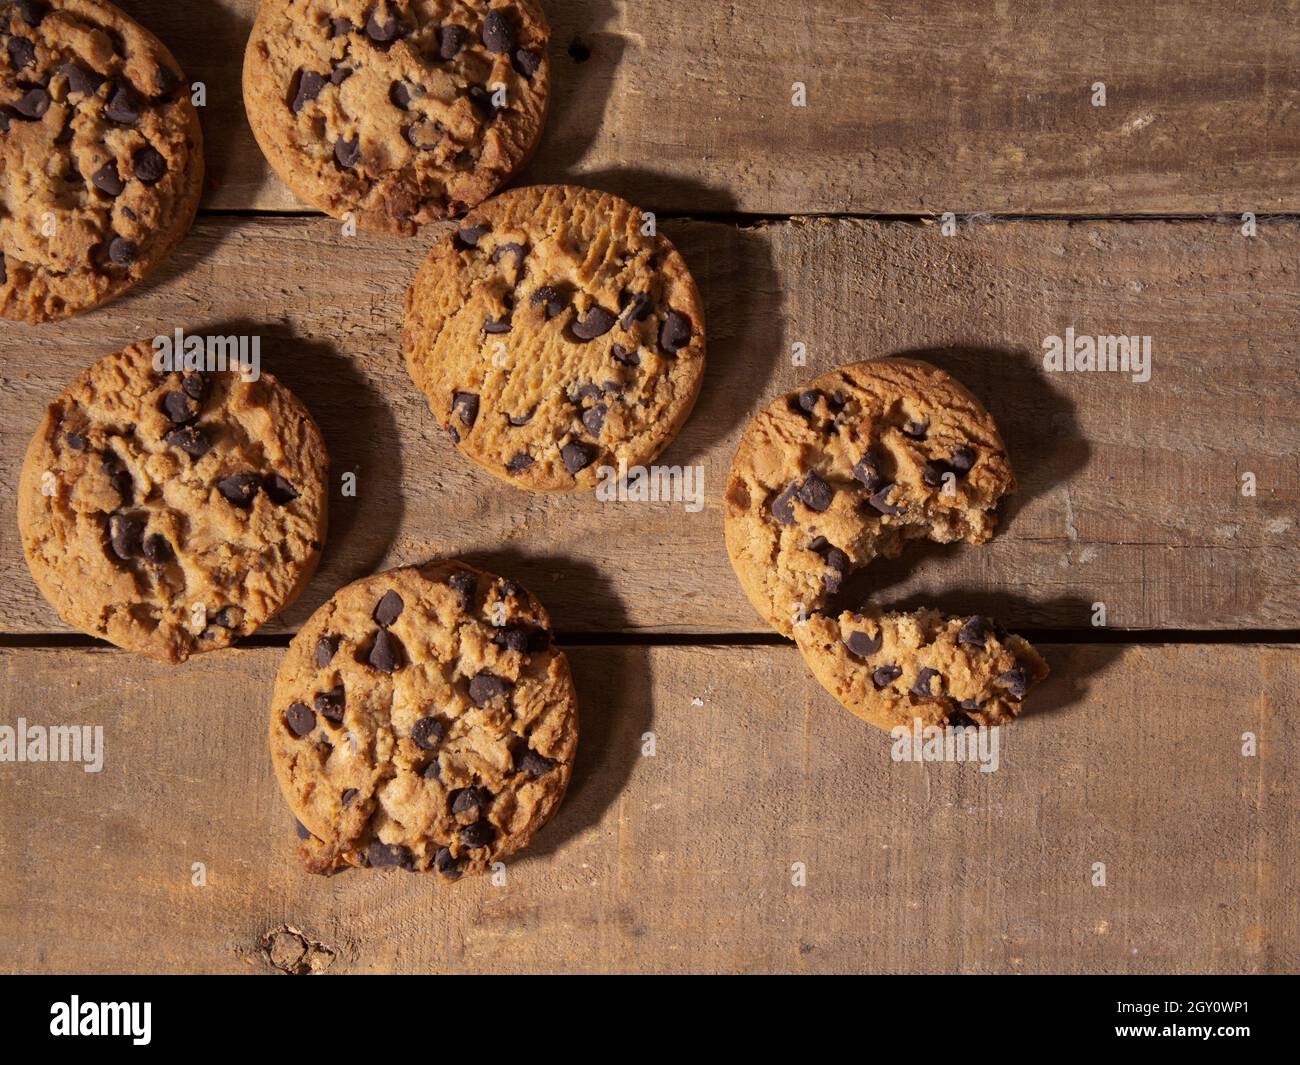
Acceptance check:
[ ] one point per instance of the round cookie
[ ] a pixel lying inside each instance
(892, 668)
(101, 156)
(847, 470)
(400, 111)
(172, 513)
(556, 340)
(422, 719)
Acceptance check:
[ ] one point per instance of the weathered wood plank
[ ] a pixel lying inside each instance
(1134, 759)
(1130, 492)
(943, 106)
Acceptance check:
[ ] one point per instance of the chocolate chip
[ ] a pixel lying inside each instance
(530, 762)
(120, 477)
(868, 473)
(157, 549)
(348, 153)
(554, 299)
(340, 74)
(300, 719)
(806, 402)
(451, 39)
(389, 609)
(81, 80)
(123, 105)
(467, 800)
(190, 439)
(862, 645)
(479, 834)
(495, 326)
(885, 676)
(463, 584)
(517, 250)
(837, 563)
(330, 704)
(424, 135)
(963, 458)
(624, 357)
(483, 102)
(881, 501)
(427, 733)
(975, 632)
(675, 333)
(521, 639)
(446, 864)
(32, 11)
(815, 493)
(521, 419)
(125, 534)
(484, 687)
(33, 104)
(432, 771)
(399, 95)
(22, 52)
(916, 430)
(637, 307)
(239, 488)
(77, 442)
(469, 236)
(594, 418)
(526, 62)
(783, 505)
(180, 407)
(465, 404)
(934, 472)
(520, 462)
(970, 704)
(1016, 680)
(325, 648)
(107, 179)
(165, 81)
(577, 457)
(382, 32)
(387, 855)
(278, 490)
(349, 796)
(498, 36)
(309, 87)
(122, 251)
(922, 686)
(195, 385)
(958, 719)
(387, 654)
(341, 27)
(597, 323)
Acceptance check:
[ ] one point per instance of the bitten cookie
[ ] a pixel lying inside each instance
(172, 513)
(892, 668)
(101, 156)
(400, 111)
(553, 337)
(423, 720)
(847, 470)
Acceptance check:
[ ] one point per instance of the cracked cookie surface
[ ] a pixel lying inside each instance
(423, 720)
(892, 668)
(849, 468)
(172, 513)
(553, 337)
(101, 156)
(400, 111)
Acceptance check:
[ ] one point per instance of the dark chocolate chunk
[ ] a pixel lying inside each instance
(934, 471)
(974, 632)
(179, 407)
(862, 645)
(467, 800)
(81, 80)
(922, 686)
(399, 95)
(624, 357)
(123, 105)
(498, 36)
(349, 796)
(330, 704)
(451, 39)
(783, 505)
(529, 761)
(125, 534)
(881, 501)
(166, 81)
(341, 27)
(554, 299)
(32, 11)
(22, 52)
(427, 733)
(867, 473)
(446, 864)
(517, 250)
(239, 488)
(325, 648)
(107, 179)
(1016, 681)
(300, 719)
(815, 493)
(635, 309)
(77, 442)
(597, 323)
(963, 458)
(463, 584)
(157, 549)
(385, 32)
(424, 135)
(348, 153)
(33, 104)
(484, 687)
(340, 74)
(675, 333)
(122, 251)
(278, 490)
(479, 834)
(960, 719)
(468, 236)
(594, 418)
(432, 771)
(387, 855)
(195, 385)
(191, 439)
(526, 62)
(387, 654)
(885, 676)
(389, 608)
(465, 405)
(309, 87)
(495, 326)
(483, 102)
(807, 401)
(577, 457)
(916, 430)
(520, 462)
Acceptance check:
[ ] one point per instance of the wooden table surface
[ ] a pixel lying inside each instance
(816, 226)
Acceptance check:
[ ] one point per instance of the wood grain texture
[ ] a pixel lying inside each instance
(1130, 493)
(943, 106)
(682, 861)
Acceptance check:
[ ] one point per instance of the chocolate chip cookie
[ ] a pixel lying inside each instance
(423, 720)
(172, 513)
(399, 111)
(557, 337)
(101, 156)
(850, 468)
(892, 668)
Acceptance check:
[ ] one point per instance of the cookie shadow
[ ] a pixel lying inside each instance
(361, 438)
